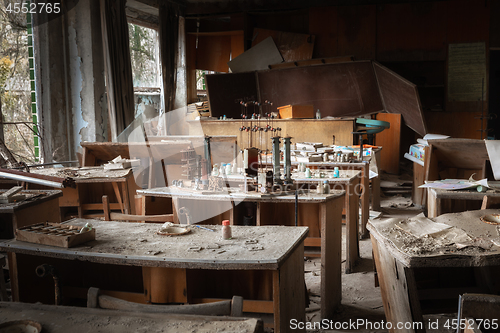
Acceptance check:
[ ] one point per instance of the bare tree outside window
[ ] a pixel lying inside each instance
(15, 91)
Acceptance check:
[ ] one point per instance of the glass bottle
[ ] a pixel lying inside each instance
(226, 230)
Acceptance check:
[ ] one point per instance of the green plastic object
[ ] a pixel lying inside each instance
(373, 126)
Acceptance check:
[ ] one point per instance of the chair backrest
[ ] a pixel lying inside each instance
(113, 216)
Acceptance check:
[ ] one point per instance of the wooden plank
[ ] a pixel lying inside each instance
(331, 240)
(395, 290)
(390, 141)
(312, 62)
(433, 204)
(343, 89)
(352, 226)
(165, 285)
(364, 188)
(14, 276)
(253, 306)
(326, 131)
(400, 96)
(289, 292)
(419, 195)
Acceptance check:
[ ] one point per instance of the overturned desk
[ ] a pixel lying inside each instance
(263, 264)
(453, 254)
(322, 213)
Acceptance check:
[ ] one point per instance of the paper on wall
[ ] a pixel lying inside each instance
(493, 148)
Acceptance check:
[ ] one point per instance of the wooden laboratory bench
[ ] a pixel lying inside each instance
(63, 319)
(424, 275)
(322, 213)
(364, 167)
(39, 206)
(263, 264)
(349, 181)
(454, 201)
(91, 184)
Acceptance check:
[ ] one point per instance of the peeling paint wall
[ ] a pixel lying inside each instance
(148, 104)
(72, 91)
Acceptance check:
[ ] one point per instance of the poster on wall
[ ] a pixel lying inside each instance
(466, 72)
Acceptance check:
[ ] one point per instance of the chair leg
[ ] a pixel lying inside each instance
(105, 208)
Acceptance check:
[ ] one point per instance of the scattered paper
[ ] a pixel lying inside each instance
(420, 226)
(456, 184)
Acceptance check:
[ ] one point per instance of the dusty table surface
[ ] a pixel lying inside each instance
(344, 176)
(468, 242)
(80, 174)
(33, 197)
(63, 319)
(126, 243)
(173, 191)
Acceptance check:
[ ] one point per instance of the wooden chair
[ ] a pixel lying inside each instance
(113, 216)
(478, 306)
(490, 202)
(233, 307)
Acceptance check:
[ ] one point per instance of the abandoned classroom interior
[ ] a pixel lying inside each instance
(277, 166)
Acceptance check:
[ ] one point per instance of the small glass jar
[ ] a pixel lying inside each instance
(326, 187)
(226, 230)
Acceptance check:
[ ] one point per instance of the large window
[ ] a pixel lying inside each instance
(18, 121)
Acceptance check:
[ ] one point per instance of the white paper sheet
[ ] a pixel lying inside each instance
(493, 148)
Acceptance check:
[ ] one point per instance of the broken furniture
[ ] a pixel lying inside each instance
(349, 181)
(453, 201)
(348, 89)
(91, 184)
(263, 264)
(62, 319)
(322, 213)
(426, 274)
(454, 159)
(38, 206)
(233, 307)
(484, 308)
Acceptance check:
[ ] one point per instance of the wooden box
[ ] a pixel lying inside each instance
(54, 234)
(296, 111)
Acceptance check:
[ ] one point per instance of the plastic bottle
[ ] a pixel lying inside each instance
(215, 170)
(228, 169)
(308, 173)
(226, 230)
(318, 114)
(336, 172)
(319, 188)
(223, 170)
